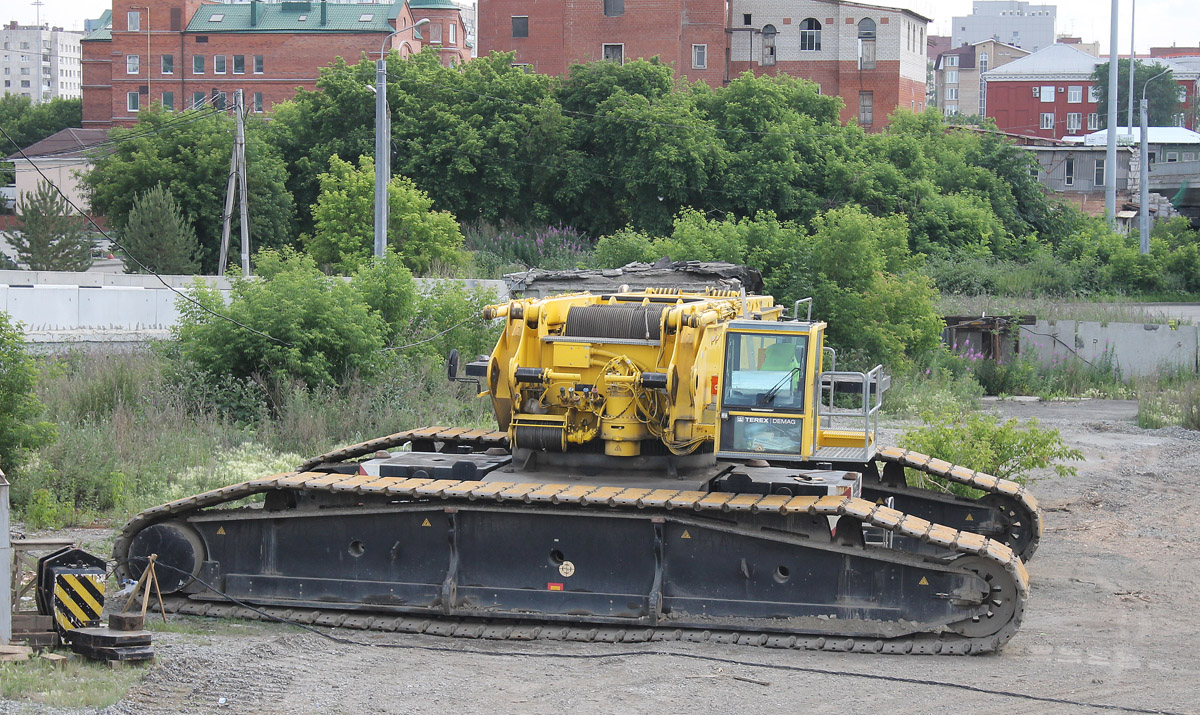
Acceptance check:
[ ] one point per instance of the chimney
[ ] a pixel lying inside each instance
(324, 13)
(253, 13)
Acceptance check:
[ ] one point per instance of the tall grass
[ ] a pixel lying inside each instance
(137, 428)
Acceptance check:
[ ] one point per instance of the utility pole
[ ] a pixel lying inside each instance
(1144, 194)
(240, 148)
(1110, 157)
(383, 155)
(236, 183)
(1132, 63)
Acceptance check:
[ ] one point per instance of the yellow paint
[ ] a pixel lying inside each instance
(969, 518)
(426, 523)
(686, 535)
(923, 582)
(220, 531)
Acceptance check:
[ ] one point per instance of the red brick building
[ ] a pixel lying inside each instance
(180, 53)
(1049, 93)
(872, 56)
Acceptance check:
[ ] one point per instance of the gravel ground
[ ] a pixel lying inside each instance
(1106, 629)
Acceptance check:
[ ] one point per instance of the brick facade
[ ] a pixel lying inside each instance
(269, 63)
(760, 36)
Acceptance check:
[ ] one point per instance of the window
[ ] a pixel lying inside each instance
(951, 93)
(951, 76)
(1047, 94)
(1098, 176)
(1069, 172)
(1182, 94)
(1047, 120)
(520, 25)
(216, 17)
(1074, 121)
(132, 101)
(699, 57)
(950, 110)
(1189, 156)
(866, 108)
(197, 100)
(258, 102)
(201, 39)
(983, 62)
(768, 45)
(1172, 157)
(258, 64)
(168, 64)
(810, 35)
(133, 21)
(218, 64)
(197, 64)
(1093, 122)
(168, 101)
(239, 64)
(1093, 95)
(453, 29)
(218, 99)
(866, 44)
(747, 19)
(952, 61)
(435, 33)
(133, 64)
(614, 8)
(1074, 95)
(614, 53)
(366, 17)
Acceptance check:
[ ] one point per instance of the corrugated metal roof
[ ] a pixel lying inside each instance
(104, 32)
(294, 17)
(433, 5)
(1155, 135)
(1057, 60)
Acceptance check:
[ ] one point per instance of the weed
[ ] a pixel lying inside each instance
(79, 683)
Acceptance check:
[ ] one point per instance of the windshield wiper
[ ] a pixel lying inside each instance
(767, 398)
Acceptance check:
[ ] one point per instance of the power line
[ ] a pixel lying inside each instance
(133, 258)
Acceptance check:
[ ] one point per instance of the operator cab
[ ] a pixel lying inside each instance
(766, 396)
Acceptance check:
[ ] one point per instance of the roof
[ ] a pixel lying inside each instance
(433, 5)
(294, 17)
(886, 7)
(966, 57)
(65, 144)
(104, 32)
(1058, 61)
(1155, 135)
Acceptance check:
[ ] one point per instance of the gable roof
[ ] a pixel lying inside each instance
(1154, 135)
(1058, 61)
(104, 32)
(65, 144)
(965, 54)
(294, 17)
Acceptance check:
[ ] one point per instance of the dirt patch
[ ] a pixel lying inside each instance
(1108, 623)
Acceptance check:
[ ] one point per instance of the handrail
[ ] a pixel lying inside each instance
(871, 404)
(796, 310)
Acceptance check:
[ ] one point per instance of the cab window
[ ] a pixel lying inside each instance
(765, 371)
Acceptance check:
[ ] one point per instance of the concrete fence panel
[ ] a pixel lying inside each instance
(44, 307)
(1136, 348)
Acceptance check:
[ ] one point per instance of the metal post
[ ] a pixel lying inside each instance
(6, 563)
(383, 155)
(1110, 179)
(1144, 197)
(227, 217)
(1132, 63)
(240, 145)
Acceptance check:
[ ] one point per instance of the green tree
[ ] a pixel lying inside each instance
(21, 426)
(188, 153)
(311, 327)
(158, 236)
(27, 123)
(1162, 95)
(344, 221)
(51, 236)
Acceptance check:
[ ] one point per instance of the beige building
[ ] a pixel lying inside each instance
(958, 75)
(62, 158)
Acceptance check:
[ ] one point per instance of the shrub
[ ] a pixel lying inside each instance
(984, 443)
(21, 425)
(555, 247)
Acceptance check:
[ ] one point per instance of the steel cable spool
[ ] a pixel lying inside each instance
(540, 438)
(615, 322)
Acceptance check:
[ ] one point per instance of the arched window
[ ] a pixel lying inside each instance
(810, 34)
(768, 44)
(866, 43)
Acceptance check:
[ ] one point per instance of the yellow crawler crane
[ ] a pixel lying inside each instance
(667, 465)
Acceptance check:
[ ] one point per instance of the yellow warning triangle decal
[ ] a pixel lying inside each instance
(879, 500)
(426, 523)
(923, 582)
(221, 531)
(686, 535)
(969, 518)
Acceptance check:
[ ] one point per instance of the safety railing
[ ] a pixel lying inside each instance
(871, 386)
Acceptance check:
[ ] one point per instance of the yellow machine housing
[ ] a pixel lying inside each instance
(665, 373)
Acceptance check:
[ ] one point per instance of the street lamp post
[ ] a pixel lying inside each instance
(1144, 161)
(383, 139)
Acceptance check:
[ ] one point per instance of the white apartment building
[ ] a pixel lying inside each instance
(1026, 25)
(40, 62)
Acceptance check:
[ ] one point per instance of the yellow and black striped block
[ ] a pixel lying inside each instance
(78, 600)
